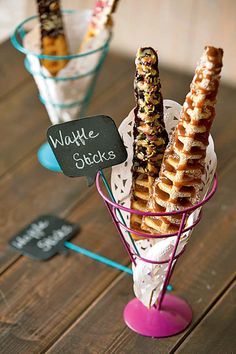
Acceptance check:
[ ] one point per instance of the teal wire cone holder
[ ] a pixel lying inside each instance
(67, 95)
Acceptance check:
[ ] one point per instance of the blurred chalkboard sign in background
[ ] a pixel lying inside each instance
(44, 237)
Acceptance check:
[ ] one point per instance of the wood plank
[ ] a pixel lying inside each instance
(102, 330)
(91, 228)
(20, 186)
(223, 126)
(24, 120)
(41, 300)
(216, 332)
(26, 193)
(12, 71)
(50, 192)
(101, 325)
(206, 256)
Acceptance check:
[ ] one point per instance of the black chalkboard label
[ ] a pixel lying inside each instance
(83, 147)
(44, 237)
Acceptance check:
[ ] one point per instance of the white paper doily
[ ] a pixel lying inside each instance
(149, 278)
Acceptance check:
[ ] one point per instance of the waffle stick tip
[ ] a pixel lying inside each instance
(183, 166)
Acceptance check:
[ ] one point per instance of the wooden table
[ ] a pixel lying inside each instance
(73, 304)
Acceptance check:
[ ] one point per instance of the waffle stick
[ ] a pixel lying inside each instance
(180, 180)
(101, 18)
(150, 136)
(53, 40)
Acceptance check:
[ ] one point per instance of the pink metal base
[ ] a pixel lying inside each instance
(175, 315)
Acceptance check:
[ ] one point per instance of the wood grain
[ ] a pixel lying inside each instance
(74, 304)
(47, 297)
(206, 256)
(216, 332)
(12, 71)
(24, 119)
(24, 122)
(23, 198)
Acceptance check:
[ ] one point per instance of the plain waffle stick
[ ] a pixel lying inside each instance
(183, 164)
(53, 41)
(150, 136)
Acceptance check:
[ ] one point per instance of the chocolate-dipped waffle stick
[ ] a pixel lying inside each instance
(53, 41)
(150, 136)
(101, 18)
(183, 165)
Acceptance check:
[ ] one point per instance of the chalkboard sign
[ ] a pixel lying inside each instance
(82, 147)
(44, 237)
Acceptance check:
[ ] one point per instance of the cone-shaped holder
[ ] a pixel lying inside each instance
(67, 95)
(171, 314)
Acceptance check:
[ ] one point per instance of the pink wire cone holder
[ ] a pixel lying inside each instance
(171, 314)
